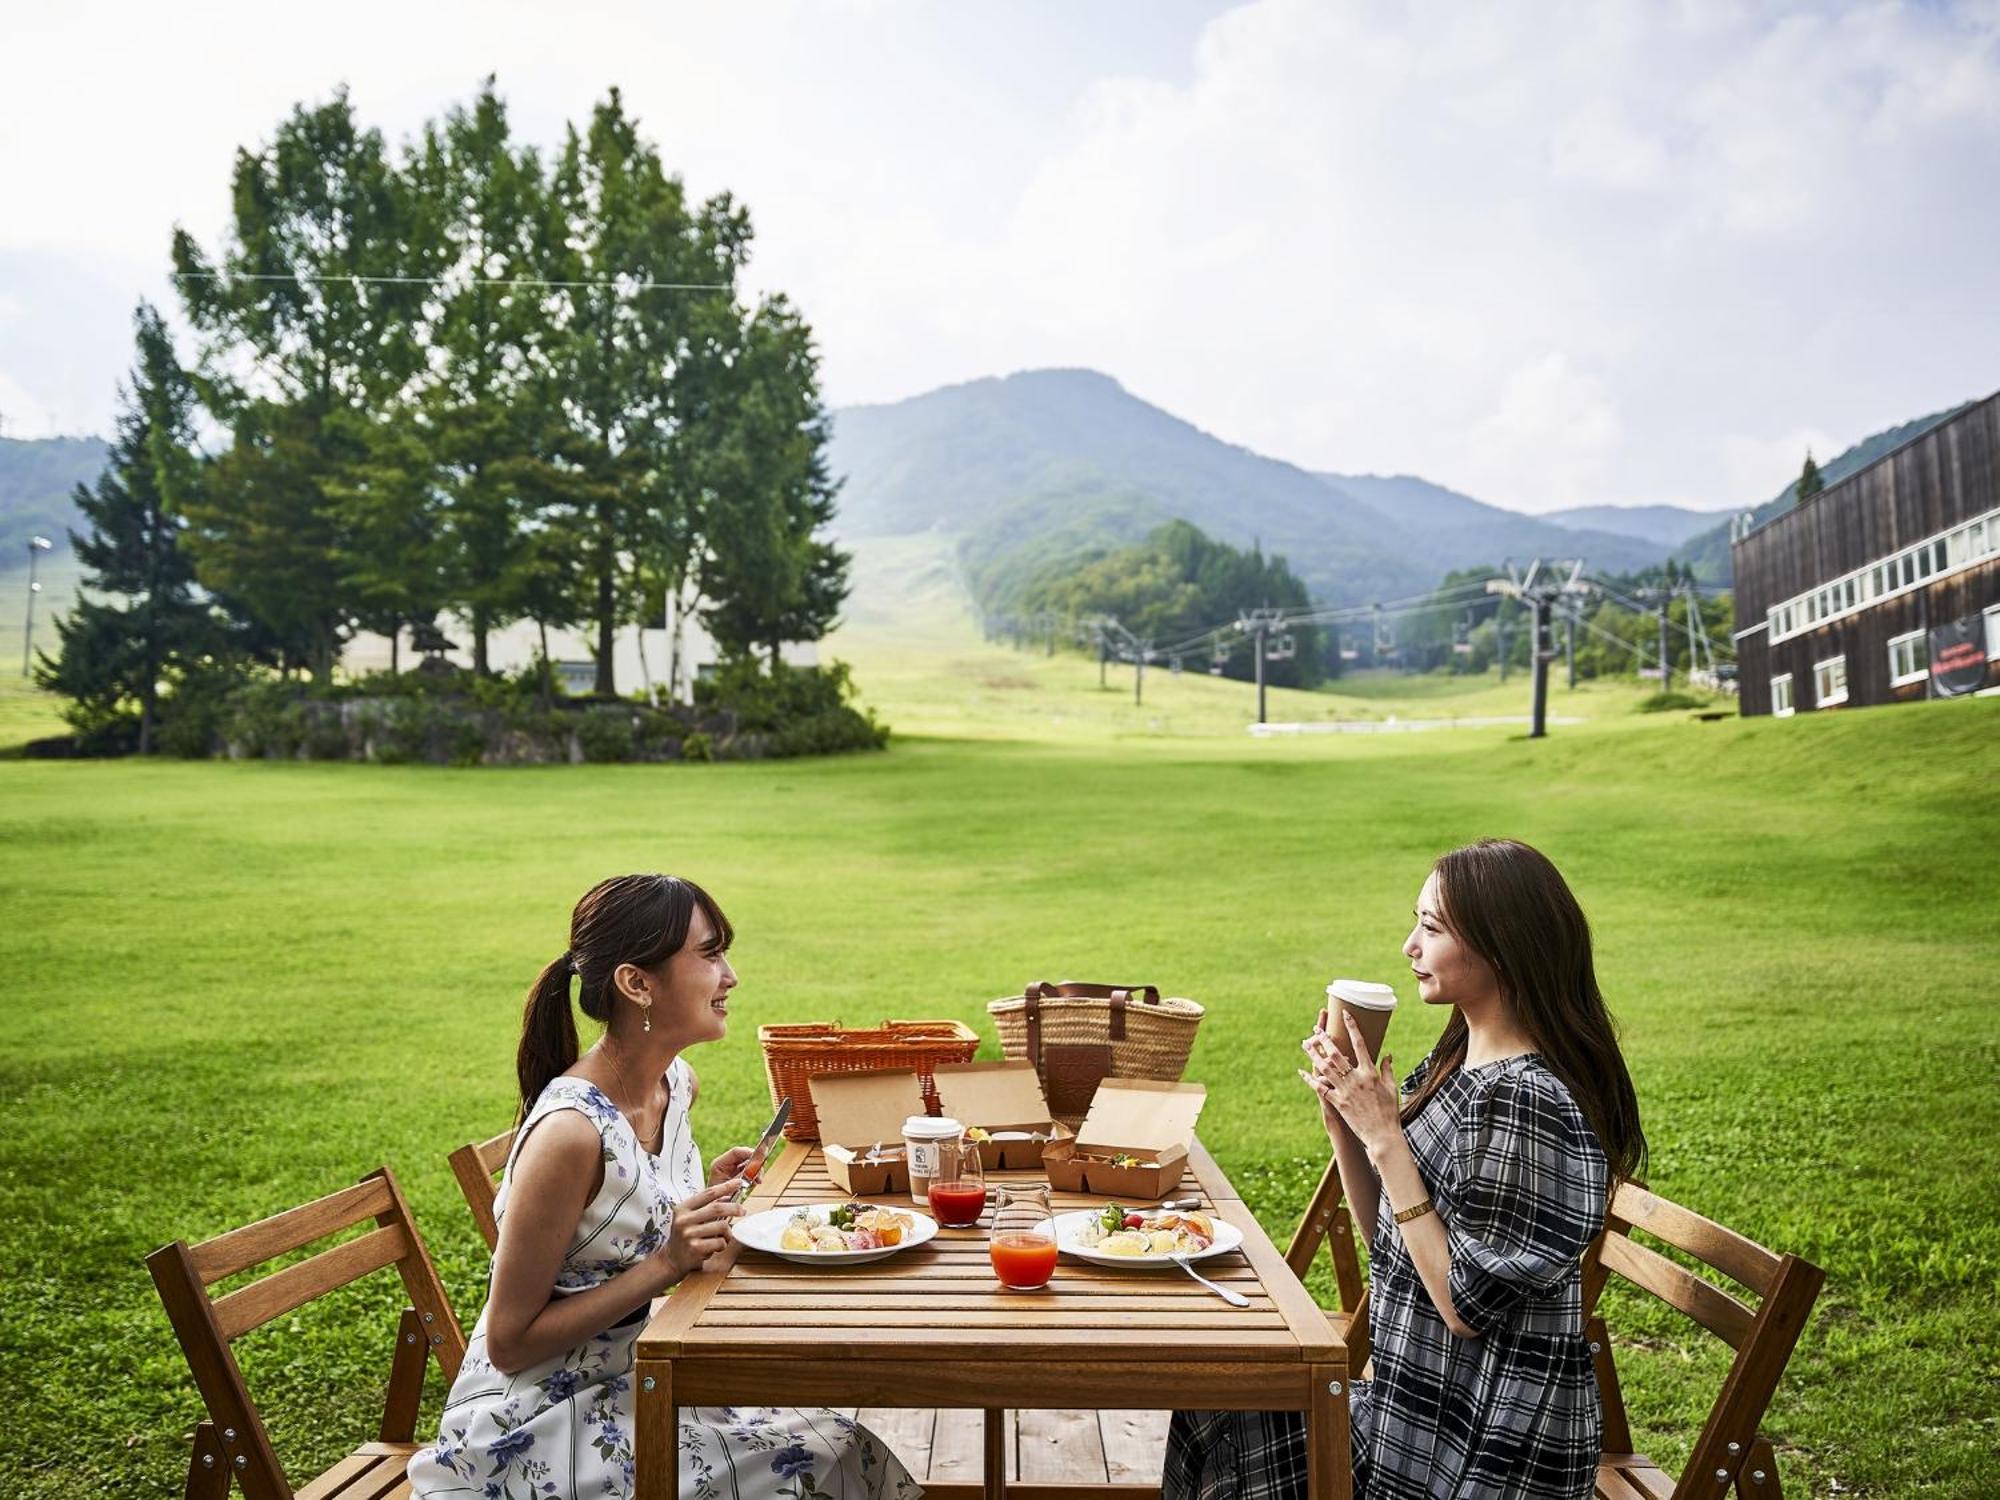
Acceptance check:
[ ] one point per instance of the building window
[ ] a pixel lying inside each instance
(1829, 682)
(1908, 660)
(1781, 697)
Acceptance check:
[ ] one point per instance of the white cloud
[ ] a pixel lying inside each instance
(1546, 251)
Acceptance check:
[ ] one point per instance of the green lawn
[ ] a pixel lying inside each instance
(234, 986)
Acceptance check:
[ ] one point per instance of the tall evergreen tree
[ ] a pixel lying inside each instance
(1811, 481)
(150, 620)
(771, 575)
(619, 230)
(293, 332)
(490, 412)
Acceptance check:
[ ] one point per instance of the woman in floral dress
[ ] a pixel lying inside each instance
(603, 1208)
(1478, 1192)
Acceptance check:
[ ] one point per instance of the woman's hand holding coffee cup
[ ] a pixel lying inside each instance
(1361, 1094)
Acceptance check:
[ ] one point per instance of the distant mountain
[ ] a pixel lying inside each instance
(1458, 531)
(37, 478)
(1060, 466)
(1052, 462)
(1662, 525)
(1709, 551)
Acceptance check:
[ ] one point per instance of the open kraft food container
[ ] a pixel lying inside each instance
(1129, 1117)
(858, 1112)
(1003, 1099)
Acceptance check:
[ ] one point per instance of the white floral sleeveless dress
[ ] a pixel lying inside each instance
(564, 1428)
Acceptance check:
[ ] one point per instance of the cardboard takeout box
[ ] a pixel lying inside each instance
(1004, 1098)
(1137, 1117)
(856, 1112)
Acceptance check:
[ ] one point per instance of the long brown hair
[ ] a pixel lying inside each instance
(1509, 904)
(629, 919)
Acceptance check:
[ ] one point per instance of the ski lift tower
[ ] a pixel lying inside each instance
(1540, 594)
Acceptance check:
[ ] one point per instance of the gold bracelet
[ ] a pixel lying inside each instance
(1416, 1211)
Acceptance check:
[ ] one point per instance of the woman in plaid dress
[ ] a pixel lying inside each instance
(1478, 1192)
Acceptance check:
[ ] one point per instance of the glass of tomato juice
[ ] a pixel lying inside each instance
(957, 1193)
(1023, 1243)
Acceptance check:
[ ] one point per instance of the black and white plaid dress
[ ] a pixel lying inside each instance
(1520, 1182)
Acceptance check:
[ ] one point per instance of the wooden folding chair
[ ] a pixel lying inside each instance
(1327, 1222)
(233, 1444)
(475, 1164)
(1730, 1451)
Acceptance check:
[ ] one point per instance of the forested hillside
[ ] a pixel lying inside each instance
(1708, 553)
(37, 479)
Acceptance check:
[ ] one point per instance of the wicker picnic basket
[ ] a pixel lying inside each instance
(1078, 1034)
(793, 1054)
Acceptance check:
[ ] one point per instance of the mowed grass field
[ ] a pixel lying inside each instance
(231, 987)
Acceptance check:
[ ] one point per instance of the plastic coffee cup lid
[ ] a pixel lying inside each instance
(1363, 993)
(924, 1128)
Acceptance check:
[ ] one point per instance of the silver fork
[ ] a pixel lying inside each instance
(1234, 1299)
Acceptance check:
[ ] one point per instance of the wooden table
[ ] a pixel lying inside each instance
(931, 1327)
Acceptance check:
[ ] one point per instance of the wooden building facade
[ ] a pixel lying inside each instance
(1884, 587)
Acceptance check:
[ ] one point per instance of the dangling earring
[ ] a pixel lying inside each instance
(646, 1011)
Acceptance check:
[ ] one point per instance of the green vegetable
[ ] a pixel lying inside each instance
(1112, 1218)
(843, 1216)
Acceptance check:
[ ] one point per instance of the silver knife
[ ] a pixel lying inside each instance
(752, 1169)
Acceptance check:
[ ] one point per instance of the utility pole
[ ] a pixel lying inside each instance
(37, 545)
(1694, 653)
(1569, 643)
(1500, 633)
(1666, 671)
(1140, 651)
(1259, 623)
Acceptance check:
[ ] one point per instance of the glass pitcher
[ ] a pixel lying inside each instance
(1023, 1238)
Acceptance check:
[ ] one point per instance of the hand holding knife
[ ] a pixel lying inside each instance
(753, 1169)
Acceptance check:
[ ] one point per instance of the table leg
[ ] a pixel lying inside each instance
(657, 1441)
(1329, 1454)
(996, 1454)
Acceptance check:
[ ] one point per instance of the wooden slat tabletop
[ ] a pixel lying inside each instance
(932, 1327)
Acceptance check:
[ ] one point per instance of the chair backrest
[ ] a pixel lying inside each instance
(1763, 1338)
(1327, 1222)
(207, 1325)
(475, 1164)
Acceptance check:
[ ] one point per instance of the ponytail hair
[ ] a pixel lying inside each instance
(641, 920)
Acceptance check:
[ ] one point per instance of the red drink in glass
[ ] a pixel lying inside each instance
(957, 1205)
(1022, 1259)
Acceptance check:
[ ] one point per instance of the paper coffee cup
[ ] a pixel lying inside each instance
(1371, 1005)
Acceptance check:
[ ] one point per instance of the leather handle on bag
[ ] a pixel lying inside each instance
(1078, 989)
(1034, 1015)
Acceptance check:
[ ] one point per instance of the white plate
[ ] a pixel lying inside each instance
(1068, 1226)
(760, 1231)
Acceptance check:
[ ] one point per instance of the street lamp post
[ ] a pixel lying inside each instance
(37, 545)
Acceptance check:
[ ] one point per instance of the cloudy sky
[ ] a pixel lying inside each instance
(1548, 253)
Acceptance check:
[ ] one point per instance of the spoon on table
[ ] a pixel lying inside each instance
(1234, 1299)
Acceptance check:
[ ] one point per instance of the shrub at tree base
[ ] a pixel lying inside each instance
(1670, 699)
(745, 712)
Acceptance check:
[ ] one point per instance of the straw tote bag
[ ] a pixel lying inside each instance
(1077, 1034)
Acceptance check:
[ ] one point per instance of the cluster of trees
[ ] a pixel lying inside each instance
(1179, 583)
(464, 377)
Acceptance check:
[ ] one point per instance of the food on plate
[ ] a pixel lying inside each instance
(979, 1133)
(1117, 1231)
(847, 1226)
(1123, 1159)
